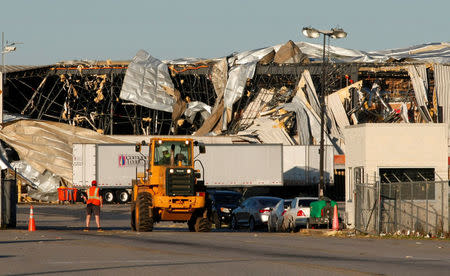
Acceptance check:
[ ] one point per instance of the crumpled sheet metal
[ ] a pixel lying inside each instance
(307, 83)
(442, 86)
(47, 145)
(429, 52)
(144, 83)
(335, 103)
(45, 182)
(418, 75)
(237, 79)
(308, 123)
(243, 67)
(194, 107)
(268, 132)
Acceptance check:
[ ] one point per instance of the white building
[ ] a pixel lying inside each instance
(374, 150)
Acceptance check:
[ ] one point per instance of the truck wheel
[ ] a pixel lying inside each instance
(202, 225)
(191, 224)
(133, 217)
(108, 196)
(122, 196)
(144, 220)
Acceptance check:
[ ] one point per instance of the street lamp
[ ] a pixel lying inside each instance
(8, 48)
(315, 33)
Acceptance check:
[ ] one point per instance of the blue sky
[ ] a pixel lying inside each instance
(97, 30)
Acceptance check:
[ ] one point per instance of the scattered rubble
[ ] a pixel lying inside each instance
(269, 95)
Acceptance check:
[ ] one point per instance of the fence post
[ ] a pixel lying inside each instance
(412, 206)
(426, 209)
(379, 207)
(442, 207)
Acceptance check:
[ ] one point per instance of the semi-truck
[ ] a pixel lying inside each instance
(114, 166)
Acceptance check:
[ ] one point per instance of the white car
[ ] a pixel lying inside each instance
(298, 213)
(275, 222)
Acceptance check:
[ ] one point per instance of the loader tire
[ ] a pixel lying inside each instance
(202, 225)
(133, 216)
(144, 217)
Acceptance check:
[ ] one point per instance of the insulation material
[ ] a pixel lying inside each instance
(267, 59)
(268, 132)
(219, 76)
(47, 146)
(290, 53)
(144, 83)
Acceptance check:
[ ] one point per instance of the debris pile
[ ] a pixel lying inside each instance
(269, 95)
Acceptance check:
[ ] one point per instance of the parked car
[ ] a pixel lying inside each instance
(222, 204)
(253, 212)
(276, 222)
(298, 214)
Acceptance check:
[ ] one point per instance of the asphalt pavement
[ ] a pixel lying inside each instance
(60, 247)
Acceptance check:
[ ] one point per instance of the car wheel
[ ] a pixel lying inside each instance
(291, 225)
(234, 224)
(251, 224)
(269, 227)
(217, 222)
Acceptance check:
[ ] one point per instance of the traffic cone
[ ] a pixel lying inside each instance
(335, 219)
(31, 223)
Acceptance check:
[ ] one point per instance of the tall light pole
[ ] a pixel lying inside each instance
(6, 48)
(315, 33)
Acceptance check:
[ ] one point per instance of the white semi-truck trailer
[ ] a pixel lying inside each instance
(115, 166)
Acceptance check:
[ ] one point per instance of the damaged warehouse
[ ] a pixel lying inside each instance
(261, 96)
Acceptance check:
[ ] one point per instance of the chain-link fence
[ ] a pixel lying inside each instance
(420, 206)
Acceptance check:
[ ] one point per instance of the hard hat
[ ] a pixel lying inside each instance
(94, 183)
(164, 148)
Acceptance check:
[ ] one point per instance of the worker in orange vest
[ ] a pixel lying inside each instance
(94, 202)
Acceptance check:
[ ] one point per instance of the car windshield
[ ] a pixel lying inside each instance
(170, 152)
(227, 198)
(305, 202)
(269, 202)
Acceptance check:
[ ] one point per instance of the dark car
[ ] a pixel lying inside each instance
(222, 204)
(253, 212)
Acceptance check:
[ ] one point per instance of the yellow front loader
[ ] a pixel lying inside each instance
(169, 189)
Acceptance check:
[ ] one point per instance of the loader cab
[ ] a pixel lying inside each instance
(173, 153)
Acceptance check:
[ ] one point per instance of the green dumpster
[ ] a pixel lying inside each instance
(317, 206)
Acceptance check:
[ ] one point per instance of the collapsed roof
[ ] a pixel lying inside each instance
(269, 95)
(266, 95)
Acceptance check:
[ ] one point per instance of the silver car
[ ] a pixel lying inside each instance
(253, 212)
(298, 214)
(276, 222)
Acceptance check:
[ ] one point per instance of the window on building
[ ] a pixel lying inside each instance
(407, 183)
